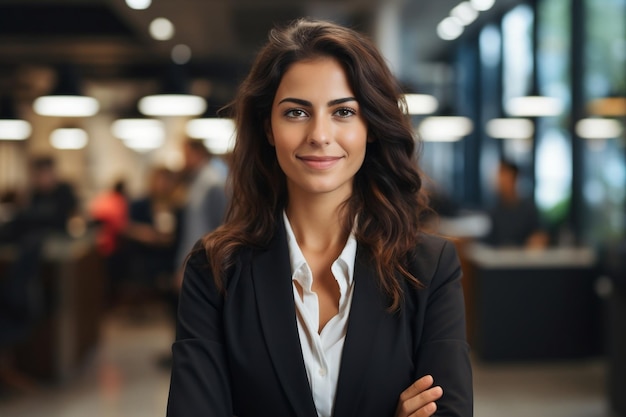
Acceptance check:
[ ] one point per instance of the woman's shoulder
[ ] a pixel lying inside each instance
(433, 255)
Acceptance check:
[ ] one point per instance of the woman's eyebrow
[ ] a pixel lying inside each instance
(307, 103)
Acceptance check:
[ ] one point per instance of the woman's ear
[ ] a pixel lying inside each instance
(268, 132)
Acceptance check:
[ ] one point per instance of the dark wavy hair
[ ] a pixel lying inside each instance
(386, 192)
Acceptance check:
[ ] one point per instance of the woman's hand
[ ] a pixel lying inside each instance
(418, 400)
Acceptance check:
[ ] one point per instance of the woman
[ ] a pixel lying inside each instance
(320, 296)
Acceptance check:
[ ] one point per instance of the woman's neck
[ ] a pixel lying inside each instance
(317, 223)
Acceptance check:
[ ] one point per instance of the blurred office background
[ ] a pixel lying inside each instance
(539, 83)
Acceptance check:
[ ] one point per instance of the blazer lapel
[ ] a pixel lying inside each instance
(368, 308)
(274, 293)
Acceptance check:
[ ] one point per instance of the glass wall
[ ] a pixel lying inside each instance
(604, 181)
(517, 81)
(553, 154)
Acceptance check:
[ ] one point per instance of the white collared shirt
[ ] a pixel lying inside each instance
(321, 351)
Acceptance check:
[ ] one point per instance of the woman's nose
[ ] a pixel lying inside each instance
(320, 132)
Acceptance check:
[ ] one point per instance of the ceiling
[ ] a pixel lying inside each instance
(109, 43)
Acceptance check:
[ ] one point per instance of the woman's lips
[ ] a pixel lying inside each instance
(319, 162)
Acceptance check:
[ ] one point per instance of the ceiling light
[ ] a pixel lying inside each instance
(449, 28)
(161, 29)
(593, 128)
(181, 54)
(534, 106)
(465, 13)
(173, 99)
(138, 4)
(14, 129)
(143, 144)
(66, 106)
(482, 5)
(11, 127)
(139, 133)
(172, 105)
(510, 128)
(66, 99)
(444, 128)
(218, 133)
(68, 138)
(421, 103)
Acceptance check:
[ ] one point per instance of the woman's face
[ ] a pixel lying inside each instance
(317, 129)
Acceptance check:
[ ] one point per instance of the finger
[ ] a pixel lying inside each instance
(418, 386)
(426, 411)
(422, 403)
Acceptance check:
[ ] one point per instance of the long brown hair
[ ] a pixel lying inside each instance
(386, 194)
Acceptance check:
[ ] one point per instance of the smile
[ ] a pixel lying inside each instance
(319, 162)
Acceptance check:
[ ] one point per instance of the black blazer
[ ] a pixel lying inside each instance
(239, 353)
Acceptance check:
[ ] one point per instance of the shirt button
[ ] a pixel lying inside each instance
(322, 372)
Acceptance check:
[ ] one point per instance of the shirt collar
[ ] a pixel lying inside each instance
(298, 263)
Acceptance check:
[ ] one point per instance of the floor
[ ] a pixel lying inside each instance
(122, 379)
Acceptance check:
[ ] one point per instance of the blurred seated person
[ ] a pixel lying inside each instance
(515, 220)
(152, 232)
(46, 209)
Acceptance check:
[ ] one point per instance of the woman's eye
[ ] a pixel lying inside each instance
(345, 112)
(295, 113)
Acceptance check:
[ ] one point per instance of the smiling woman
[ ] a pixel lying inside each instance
(318, 132)
(321, 295)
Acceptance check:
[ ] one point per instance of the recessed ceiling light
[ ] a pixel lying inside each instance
(482, 5)
(181, 54)
(138, 4)
(465, 13)
(161, 29)
(449, 28)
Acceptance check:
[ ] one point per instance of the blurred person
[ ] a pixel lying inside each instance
(206, 200)
(110, 211)
(203, 211)
(515, 220)
(48, 205)
(153, 232)
(320, 295)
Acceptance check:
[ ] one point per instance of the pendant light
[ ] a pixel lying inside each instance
(139, 133)
(174, 98)
(598, 128)
(534, 106)
(12, 127)
(66, 99)
(69, 138)
(218, 133)
(418, 104)
(447, 126)
(510, 128)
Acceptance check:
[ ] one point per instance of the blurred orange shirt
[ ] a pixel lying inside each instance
(111, 210)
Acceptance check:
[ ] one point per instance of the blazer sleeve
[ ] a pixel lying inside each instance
(443, 351)
(200, 381)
